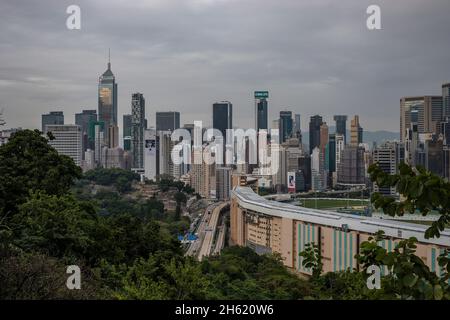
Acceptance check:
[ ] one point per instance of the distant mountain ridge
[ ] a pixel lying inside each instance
(369, 137)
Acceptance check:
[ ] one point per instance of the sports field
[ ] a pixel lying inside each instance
(331, 203)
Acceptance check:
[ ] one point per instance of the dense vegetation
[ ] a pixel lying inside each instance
(121, 179)
(125, 247)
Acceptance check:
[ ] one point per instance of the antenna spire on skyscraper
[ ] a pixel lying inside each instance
(2, 121)
(109, 58)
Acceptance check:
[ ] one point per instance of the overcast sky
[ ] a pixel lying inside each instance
(315, 57)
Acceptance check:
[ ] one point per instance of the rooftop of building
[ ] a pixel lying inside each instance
(396, 229)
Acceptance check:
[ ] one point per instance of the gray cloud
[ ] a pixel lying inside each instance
(313, 56)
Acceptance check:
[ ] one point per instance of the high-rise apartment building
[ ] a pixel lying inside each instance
(107, 106)
(54, 117)
(351, 169)
(314, 132)
(67, 140)
(166, 165)
(223, 183)
(201, 174)
(113, 158)
(386, 158)
(340, 144)
(167, 120)
(429, 110)
(341, 126)
(317, 183)
(137, 129)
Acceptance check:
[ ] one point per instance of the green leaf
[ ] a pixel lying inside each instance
(438, 292)
(410, 280)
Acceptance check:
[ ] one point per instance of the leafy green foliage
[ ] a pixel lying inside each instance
(423, 191)
(408, 276)
(119, 178)
(29, 163)
(240, 273)
(312, 259)
(166, 182)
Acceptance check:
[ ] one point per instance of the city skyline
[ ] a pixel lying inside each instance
(183, 67)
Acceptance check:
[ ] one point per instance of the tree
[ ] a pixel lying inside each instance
(123, 184)
(423, 192)
(29, 163)
(180, 198)
(408, 276)
(120, 178)
(312, 259)
(29, 276)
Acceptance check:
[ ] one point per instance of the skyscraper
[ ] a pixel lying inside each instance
(297, 126)
(339, 138)
(168, 120)
(166, 165)
(286, 125)
(356, 132)
(83, 119)
(223, 183)
(127, 132)
(107, 104)
(137, 129)
(341, 126)
(314, 132)
(446, 100)
(331, 154)
(97, 134)
(351, 169)
(223, 117)
(261, 110)
(150, 154)
(430, 113)
(67, 140)
(386, 158)
(54, 117)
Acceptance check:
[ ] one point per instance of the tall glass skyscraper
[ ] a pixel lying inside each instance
(137, 129)
(168, 120)
(261, 110)
(127, 132)
(223, 117)
(83, 119)
(341, 126)
(314, 132)
(107, 104)
(286, 125)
